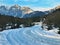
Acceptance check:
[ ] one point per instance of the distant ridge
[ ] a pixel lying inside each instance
(23, 12)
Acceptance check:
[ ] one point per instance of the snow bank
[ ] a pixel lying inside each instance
(34, 35)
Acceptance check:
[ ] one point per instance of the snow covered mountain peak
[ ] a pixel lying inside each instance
(15, 7)
(26, 10)
(15, 10)
(2, 7)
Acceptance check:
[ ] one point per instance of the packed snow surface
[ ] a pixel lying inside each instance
(34, 35)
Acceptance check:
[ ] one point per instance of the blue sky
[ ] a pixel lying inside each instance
(32, 3)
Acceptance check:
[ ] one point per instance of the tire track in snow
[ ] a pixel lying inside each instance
(37, 39)
(45, 38)
(30, 36)
(20, 38)
(10, 38)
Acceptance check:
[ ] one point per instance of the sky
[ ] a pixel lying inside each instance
(34, 4)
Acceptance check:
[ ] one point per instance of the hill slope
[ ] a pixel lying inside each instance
(53, 18)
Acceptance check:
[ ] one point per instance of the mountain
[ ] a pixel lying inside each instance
(54, 9)
(15, 10)
(26, 10)
(21, 12)
(34, 14)
(3, 10)
(57, 7)
(53, 18)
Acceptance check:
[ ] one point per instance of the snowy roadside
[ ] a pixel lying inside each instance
(34, 35)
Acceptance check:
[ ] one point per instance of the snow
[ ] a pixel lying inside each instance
(34, 35)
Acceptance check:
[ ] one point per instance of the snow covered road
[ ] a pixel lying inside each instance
(29, 36)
